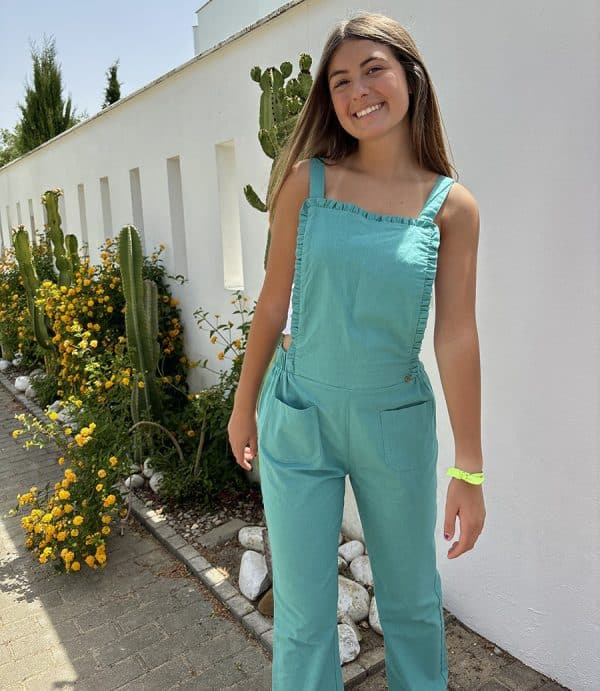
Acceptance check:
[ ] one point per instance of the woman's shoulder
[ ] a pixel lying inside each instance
(460, 208)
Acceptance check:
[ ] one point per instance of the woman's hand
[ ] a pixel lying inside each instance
(465, 501)
(243, 436)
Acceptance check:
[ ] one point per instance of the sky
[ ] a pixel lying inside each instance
(149, 38)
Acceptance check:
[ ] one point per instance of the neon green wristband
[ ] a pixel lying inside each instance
(472, 478)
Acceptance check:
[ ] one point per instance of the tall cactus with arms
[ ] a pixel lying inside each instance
(67, 260)
(280, 104)
(141, 325)
(32, 283)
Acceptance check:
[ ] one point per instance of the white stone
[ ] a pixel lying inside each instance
(254, 578)
(55, 407)
(251, 537)
(4, 365)
(134, 481)
(21, 383)
(350, 550)
(360, 567)
(155, 481)
(135, 468)
(342, 563)
(17, 361)
(345, 619)
(353, 599)
(30, 392)
(349, 645)
(65, 415)
(148, 470)
(374, 617)
(37, 373)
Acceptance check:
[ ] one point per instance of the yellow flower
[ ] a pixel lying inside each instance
(110, 500)
(99, 487)
(113, 460)
(125, 381)
(68, 431)
(105, 530)
(141, 384)
(16, 433)
(90, 561)
(102, 472)
(108, 384)
(94, 343)
(61, 460)
(53, 415)
(74, 532)
(75, 566)
(221, 355)
(78, 520)
(64, 494)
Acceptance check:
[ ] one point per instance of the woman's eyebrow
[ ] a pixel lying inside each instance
(364, 62)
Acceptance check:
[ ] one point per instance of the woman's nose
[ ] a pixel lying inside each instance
(359, 89)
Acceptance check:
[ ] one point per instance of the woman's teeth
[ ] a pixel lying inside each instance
(366, 111)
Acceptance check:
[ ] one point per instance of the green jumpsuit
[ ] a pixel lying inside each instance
(351, 397)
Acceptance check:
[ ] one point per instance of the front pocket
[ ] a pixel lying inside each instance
(290, 434)
(409, 437)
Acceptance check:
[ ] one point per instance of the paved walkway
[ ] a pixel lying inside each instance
(141, 623)
(145, 622)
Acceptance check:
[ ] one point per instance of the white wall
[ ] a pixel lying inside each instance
(218, 19)
(518, 88)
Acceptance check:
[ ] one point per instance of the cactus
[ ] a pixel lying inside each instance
(141, 325)
(67, 260)
(32, 282)
(73, 250)
(280, 104)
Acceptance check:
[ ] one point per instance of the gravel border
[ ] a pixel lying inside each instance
(243, 610)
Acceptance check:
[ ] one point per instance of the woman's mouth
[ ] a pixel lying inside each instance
(361, 114)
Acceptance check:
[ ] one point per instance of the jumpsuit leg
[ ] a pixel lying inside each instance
(395, 489)
(303, 497)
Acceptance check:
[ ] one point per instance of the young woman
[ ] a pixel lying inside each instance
(364, 215)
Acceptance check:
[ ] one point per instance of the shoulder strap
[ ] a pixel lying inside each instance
(436, 197)
(317, 177)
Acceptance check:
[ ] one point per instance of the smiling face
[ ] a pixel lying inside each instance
(365, 75)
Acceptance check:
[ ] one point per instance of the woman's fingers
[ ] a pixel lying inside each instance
(468, 538)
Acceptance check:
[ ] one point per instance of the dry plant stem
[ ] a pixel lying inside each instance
(166, 431)
(200, 446)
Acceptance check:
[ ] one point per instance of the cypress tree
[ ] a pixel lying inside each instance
(112, 93)
(45, 113)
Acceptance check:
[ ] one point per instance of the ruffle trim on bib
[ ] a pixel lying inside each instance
(327, 203)
(297, 287)
(431, 250)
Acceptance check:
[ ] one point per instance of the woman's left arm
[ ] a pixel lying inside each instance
(456, 347)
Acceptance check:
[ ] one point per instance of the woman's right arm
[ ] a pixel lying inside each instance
(270, 314)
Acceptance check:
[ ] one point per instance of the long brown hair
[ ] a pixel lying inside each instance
(318, 132)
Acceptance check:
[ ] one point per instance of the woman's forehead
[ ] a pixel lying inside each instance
(353, 50)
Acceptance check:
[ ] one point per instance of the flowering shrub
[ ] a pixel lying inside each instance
(68, 525)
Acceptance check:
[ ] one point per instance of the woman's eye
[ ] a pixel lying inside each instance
(342, 81)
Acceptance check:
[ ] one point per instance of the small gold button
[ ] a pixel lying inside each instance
(407, 377)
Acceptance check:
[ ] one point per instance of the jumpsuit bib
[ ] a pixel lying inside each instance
(351, 397)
